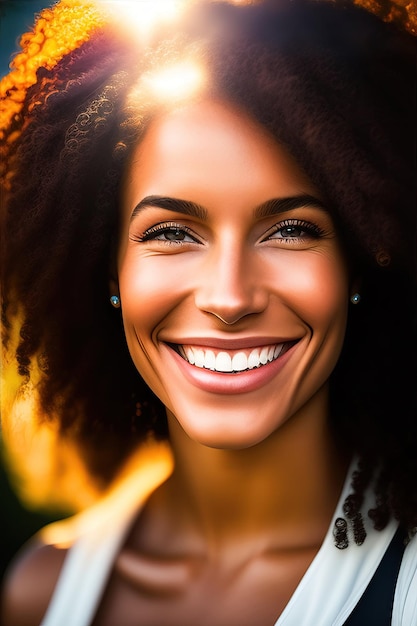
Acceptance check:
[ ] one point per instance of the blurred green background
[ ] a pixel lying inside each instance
(16, 523)
(16, 17)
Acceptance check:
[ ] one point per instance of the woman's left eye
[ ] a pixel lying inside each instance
(173, 234)
(294, 230)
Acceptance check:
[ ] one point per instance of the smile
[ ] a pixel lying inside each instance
(231, 361)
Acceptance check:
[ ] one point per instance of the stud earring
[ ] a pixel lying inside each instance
(115, 300)
(356, 298)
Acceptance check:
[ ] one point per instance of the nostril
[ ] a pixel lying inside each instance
(228, 322)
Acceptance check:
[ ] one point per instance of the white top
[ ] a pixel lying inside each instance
(326, 595)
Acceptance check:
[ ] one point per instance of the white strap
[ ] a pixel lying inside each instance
(102, 531)
(84, 576)
(405, 600)
(336, 579)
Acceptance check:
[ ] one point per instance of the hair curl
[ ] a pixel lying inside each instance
(332, 83)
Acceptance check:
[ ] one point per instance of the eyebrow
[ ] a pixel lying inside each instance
(266, 209)
(280, 205)
(171, 204)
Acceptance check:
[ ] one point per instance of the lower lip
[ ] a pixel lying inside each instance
(241, 382)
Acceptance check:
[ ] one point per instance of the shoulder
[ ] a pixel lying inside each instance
(405, 603)
(29, 584)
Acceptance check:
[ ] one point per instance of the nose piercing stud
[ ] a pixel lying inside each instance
(356, 298)
(115, 301)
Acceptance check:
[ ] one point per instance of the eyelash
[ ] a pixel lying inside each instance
(310, 230)
(163, 228)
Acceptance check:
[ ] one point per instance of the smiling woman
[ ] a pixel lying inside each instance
(234, 275)
(208, 228)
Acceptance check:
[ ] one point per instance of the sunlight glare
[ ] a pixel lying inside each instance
(143, 15)
(178, 81)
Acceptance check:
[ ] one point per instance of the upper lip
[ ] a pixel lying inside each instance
(230, 344)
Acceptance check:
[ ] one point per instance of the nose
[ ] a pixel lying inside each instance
(231, 286)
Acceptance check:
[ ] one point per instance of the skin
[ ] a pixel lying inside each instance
(231, 279)
(227, 538)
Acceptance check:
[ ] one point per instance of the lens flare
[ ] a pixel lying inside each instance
(143, 15)
(178, 81)
(148, 468)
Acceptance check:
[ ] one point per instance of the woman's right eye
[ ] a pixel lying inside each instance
(169, 234)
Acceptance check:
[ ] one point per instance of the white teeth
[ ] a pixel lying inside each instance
(210, 360)
(239, 362)
(190, 356)
(199, 358)
(264, 356)
(224, 362)
(253, 359)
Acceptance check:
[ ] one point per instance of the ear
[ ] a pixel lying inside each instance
(113, 277)
(355, 286)
(113, 285)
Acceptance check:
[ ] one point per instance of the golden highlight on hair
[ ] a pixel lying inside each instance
(69, 23)
(402, 12)
(31, 440)
(57, 32)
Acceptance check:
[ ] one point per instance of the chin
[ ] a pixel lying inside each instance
(227, 434)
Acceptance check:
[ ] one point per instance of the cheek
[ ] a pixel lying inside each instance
(319, 286)
(318, 294)
(149, 289)
(322, 301)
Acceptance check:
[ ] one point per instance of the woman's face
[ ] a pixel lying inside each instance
(233, 285)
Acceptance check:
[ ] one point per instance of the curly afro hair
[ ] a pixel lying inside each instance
(331, 82)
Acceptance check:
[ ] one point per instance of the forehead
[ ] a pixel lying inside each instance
(211, 146)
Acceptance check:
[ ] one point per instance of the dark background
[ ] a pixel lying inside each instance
(16, 523)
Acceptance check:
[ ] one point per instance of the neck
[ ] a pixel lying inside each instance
(277, 489)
